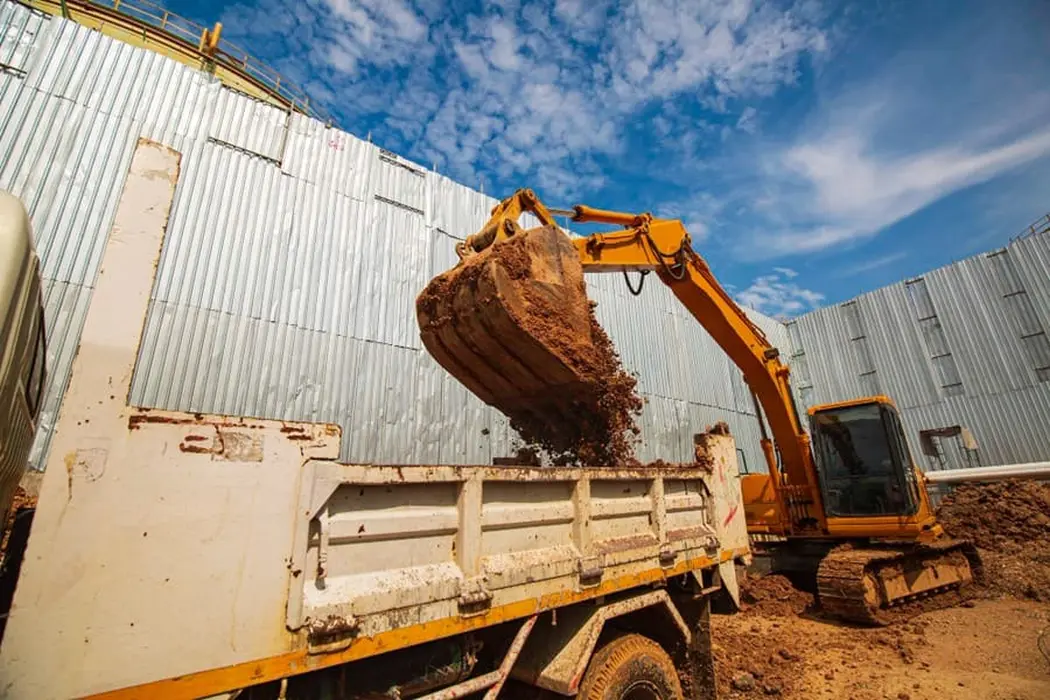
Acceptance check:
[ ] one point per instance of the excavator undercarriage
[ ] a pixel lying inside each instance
(876, 585)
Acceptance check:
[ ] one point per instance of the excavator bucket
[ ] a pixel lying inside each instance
(514, 325)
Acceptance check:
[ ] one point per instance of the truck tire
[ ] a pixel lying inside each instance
(631, 667)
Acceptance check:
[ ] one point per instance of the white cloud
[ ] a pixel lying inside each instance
(779, 242)
(550, 92)
(883, 146)
(697, 213)
(538, 88)
(663, 47)
(859, 190)
(377, 31)
(748, 121)
(584, 18)
(774, 295)
(840, 189)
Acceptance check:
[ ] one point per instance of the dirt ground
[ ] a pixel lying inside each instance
(780, 646)
(987, 648)
(1009, 521)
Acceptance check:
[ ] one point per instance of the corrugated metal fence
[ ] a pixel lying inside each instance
(294, 253)
(964, 345)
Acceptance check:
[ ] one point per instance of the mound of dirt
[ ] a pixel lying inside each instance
(982, 651)
(773, 595)
(754, 661)
(515, 326)
(772, 649)
(1009, 521)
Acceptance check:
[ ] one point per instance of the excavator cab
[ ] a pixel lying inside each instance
(862, 460)
(866, 483)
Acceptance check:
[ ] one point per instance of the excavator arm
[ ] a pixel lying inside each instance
(663, 246)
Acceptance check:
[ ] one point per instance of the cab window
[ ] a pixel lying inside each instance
(859, 461)
(37, 372)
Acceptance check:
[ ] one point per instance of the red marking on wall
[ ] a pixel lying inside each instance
(732, 512)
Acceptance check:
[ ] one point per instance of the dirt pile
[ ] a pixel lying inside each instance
(701, 450)
(515, 326)
(769, 649)
(754, 661)
(1009, 521)
(986, 650)
(773, 595)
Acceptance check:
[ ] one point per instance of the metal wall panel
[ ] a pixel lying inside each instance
(293, 256)
(454, 209)
(248, 123)
(398, 180)
(316, 153)
(20, 26)
(1003, 402)
(1032, 258)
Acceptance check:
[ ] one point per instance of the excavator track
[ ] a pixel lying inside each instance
(877, 586)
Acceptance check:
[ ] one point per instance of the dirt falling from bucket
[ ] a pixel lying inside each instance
(605, 430)
(515, 326)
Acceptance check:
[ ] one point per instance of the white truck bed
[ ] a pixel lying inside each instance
(179, 555)
(189, 551)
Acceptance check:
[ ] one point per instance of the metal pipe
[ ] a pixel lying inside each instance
(512, 655)
(758, 414)
(466, 688)
(492, 680)
(1031, 470)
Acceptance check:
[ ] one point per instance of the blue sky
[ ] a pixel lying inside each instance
(816, 150)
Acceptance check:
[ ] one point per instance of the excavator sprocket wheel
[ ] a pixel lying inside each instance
(873, 585)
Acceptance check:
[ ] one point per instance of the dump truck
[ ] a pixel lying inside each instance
(23, 368)
(189, 555)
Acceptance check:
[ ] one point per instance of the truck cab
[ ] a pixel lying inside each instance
(22, 344)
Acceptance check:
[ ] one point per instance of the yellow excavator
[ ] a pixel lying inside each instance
(849, 504)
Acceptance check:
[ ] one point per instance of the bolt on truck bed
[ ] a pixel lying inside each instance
(182, 555)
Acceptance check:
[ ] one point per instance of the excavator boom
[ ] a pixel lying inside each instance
(664, 246)
(484, 337)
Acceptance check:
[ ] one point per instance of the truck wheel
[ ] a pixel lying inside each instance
(631, 667)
